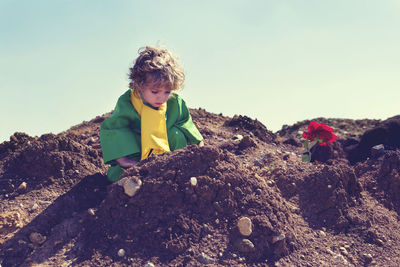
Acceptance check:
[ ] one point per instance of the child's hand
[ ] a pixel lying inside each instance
(126, 162)
(201, 143)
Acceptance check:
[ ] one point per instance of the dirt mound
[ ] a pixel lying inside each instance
(244, 199)
(327, 195)
(169, 216)
(41, 160)
(381, 177)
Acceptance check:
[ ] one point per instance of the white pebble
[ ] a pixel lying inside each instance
(91, 211)
(22, 186)
(245, 226)
(131, 186)
(149, 264)
(238, 137)
(322, 233)
(37, 238)
(34, 207)
(278, 238)
(121, 252)
(193, 181)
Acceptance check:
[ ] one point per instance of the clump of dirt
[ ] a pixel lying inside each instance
(244, 199)
(386, 133)
(252, 127)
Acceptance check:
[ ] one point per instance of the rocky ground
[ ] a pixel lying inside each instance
(243, 199)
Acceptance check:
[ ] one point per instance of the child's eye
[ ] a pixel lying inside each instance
(167, 92)
(154, 92)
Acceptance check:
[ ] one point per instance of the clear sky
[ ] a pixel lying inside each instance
(66, 61)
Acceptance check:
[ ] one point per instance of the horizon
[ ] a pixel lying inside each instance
(64, 62)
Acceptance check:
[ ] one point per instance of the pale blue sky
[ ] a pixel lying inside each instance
(63, 62)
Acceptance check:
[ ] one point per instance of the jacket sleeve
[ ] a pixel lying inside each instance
(120, 133)
(183, 121)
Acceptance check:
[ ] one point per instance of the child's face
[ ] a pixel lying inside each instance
(154, 94)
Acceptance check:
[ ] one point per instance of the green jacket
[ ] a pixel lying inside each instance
(120, 133)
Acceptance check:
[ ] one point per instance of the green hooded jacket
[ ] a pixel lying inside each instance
(120, 133)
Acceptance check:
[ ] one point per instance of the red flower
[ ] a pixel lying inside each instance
(320, 132)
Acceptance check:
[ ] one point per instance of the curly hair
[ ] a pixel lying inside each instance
(156, 65)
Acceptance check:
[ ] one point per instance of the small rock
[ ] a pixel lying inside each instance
(379, 242)
(193, 181)
(244, 245)
(121, 252)
(321, 233)
(277, 238)
(149, 264)
(91, 211)
(22, 186)
(238, 137)
(131, 186)
(21, 242)
(377, 150)
(205, 259)
(34, 207)
(13, 138)
(368, 257)
(245, 226)
(37, 238)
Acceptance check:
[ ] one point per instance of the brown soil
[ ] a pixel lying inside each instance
(324, 213)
